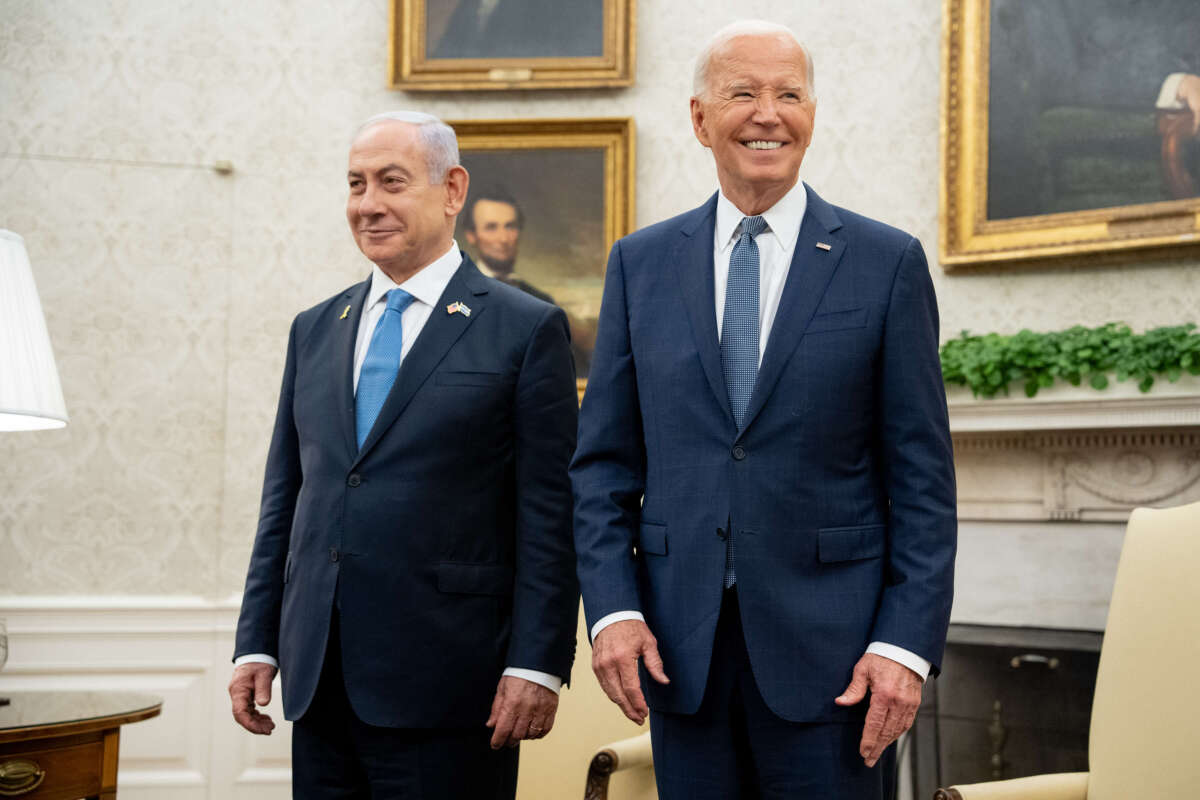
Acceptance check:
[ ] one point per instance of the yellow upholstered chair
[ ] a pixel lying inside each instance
(1142, 741)
(623, 770)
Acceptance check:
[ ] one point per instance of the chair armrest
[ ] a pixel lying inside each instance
(624, 754)
(1059, 786)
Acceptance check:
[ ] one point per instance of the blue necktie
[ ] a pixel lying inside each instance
(739, 339)
(380, 366)
(739, 328)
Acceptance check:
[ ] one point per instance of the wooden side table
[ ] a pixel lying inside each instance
(63, 745)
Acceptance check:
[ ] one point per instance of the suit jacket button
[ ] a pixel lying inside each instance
(721, 534)
(354, 480)
(333, 554)
(739, 452)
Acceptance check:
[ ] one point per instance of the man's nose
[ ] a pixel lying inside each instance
(766, 110)
(368, 202)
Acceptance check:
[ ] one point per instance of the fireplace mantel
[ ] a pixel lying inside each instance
(1064, 407)
(1076, 453)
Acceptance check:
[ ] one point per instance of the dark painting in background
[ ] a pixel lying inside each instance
(1073, 86)
(559, 198)
(514, 28)
(438, 45)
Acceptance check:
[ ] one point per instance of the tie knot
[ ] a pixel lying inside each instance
(753, 225)
(398, 300)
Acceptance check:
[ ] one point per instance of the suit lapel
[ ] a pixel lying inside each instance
(808, 277)
(345, 337)
(441, 331)
(693, 258)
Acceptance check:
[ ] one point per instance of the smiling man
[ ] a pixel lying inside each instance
(413, 574)
(764, 485)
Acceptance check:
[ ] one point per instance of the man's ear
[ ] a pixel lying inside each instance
(456, 183)
(698, 121)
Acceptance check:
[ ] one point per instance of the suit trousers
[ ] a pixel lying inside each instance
(337, 755)
(735, 748)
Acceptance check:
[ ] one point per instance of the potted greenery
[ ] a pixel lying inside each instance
(991, 365)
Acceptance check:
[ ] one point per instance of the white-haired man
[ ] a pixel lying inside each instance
(413, 573)
(764, 487)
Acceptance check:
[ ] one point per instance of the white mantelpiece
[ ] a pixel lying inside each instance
(1075, 453)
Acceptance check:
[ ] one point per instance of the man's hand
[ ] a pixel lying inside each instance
(895, 696)
(521, 710)
(250, 685)
(615, 653)
(1189, 94)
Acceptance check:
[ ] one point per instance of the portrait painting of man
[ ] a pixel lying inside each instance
(534, 219)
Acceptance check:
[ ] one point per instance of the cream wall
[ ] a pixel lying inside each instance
(169, 289)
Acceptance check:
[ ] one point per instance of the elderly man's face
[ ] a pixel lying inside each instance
(757, 115)
(496, 233)
(400, 220)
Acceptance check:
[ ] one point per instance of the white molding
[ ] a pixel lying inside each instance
(1066, 407)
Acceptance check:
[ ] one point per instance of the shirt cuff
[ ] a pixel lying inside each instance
(616, 616)
(551, 682)
(255, 658)
(1168, 95)
(901, 656)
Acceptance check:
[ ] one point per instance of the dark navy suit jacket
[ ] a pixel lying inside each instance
(840, 487)
(446, 539)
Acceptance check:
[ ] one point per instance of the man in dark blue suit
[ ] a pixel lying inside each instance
(764, 484)
(413, 571)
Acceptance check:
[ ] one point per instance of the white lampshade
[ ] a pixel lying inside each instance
(31, 397)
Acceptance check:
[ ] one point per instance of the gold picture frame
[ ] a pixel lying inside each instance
(567, 185)
(981, 224)
(587, 43)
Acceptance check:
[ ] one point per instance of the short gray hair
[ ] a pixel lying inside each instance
(438, 139)
(745, 27)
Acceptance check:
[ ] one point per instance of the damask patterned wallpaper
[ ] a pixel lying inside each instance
(169, 288)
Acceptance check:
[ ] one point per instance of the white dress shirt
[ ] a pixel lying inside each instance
(776, 246)
(426, 286)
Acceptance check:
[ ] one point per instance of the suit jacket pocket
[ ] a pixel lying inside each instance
(447, 378)
(652, 538)
(837, 321)
(850, 544)
(466, 577)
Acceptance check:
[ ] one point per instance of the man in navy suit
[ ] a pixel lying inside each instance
(764, 485)
(413, 571)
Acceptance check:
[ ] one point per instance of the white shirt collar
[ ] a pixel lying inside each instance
(783, 219)
(425, 286)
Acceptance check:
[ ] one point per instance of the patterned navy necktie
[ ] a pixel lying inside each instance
(739, 339)
(381, 364)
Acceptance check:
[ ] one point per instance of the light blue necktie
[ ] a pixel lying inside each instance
(380, 366)
(739, 338)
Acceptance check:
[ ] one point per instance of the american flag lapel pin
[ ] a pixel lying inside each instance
(345, 312)
(823, 246)
(458, 307)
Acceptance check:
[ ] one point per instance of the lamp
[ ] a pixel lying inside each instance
(30, 394)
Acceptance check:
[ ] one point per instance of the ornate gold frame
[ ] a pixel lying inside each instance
(968, 237)
(411, 70)
(615, 136)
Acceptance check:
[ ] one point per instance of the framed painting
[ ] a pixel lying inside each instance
(1070, 131)
(547, 200)
(511, 44)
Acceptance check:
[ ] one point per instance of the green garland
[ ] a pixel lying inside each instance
(989, 363)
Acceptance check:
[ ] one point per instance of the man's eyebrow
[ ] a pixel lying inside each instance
(354, 173)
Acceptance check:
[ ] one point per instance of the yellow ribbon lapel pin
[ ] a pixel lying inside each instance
(345, 312)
